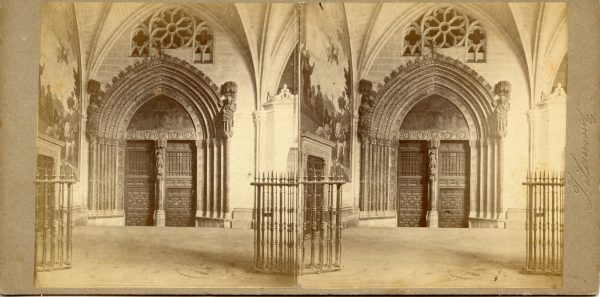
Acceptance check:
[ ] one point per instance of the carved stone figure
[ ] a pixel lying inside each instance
(94, 90)
(365, 88)
(502, 107)
(432, 164)
(228, 106)
(434, 144)
(160, 162)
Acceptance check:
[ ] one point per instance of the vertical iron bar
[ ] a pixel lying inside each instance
(338, 224)
(281, 242)
(527, 222)
(535, 224)
(272, 219)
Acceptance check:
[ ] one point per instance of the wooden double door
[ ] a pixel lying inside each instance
(415, 188)
(141, 188)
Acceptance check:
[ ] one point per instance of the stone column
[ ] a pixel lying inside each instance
(229, 106)
(365, 88)
(200, 176)
(259, 119)
(502, 105)
(159, 213)
(432, 215)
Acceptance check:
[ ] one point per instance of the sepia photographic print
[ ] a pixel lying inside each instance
(305, 147)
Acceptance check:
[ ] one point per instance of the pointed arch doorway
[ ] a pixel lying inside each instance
(159, 146)
(431, 146)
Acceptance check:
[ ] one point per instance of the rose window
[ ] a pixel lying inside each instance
(171, 29)
(445, 27)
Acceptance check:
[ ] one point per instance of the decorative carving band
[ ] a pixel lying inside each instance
(154, 135)
(432, 134)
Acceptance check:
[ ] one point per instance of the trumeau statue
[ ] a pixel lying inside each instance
(434, 144)
(228, 104)
(432, 164)
(160, 162)
(502, 107)
(365, 88)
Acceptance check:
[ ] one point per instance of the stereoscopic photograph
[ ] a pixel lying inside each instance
(302, 146)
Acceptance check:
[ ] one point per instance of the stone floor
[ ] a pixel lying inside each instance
(223, 258)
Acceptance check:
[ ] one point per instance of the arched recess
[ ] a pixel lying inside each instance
(381, 115)
(110, 112)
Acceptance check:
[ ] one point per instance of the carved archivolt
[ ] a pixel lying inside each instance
(109, 112)
(428, 75)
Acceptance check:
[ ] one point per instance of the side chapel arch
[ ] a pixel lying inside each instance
(381, 114)
(110, 111)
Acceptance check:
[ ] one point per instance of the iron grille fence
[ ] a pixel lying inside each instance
(544, 221)
(54, 222)
(297, 224)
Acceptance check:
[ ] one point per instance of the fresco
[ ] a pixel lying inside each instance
(434, 113)
(326, 78)
(59, 102)
(163, 114)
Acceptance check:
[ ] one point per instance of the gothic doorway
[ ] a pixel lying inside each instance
(159, 146)
(431, 144)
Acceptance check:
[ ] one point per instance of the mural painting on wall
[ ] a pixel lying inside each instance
(434, 113)
(326, 78)
(59, 102)
(161, 114)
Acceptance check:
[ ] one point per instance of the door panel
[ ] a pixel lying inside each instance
(412, 184)
(180, 202)
(453, 194)
(139, 183)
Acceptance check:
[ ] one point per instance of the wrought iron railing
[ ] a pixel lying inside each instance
(54, 222)
(544, 222)
(297, 224)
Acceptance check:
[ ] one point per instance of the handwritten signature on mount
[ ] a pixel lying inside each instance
(580, 178)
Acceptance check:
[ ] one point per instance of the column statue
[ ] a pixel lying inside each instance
(502, 106)
(365, 88)
(228, 106)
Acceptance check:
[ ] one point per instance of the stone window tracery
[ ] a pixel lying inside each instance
(172, 28)
(445, 27)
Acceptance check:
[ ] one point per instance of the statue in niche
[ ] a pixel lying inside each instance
(228, 106)
(365, 88)
(502, 107)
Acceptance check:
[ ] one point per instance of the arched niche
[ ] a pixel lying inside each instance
(114, 117)
(418, 89)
